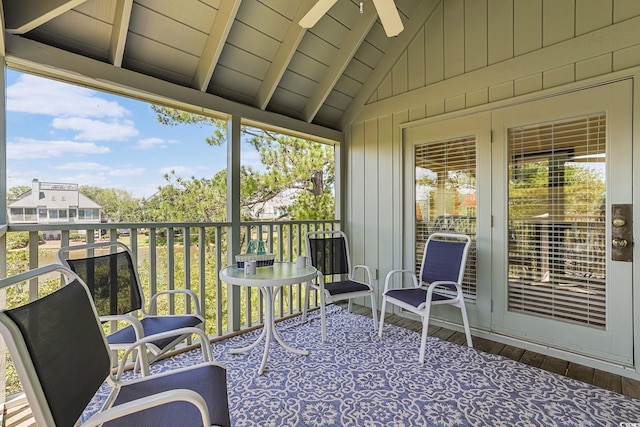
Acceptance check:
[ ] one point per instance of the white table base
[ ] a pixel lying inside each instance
(269, 330)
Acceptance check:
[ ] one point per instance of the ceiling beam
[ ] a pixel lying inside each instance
(218, 34)
(283, 57)
(348, 49)
(22, 16)
(417, 20)
(119, 33)
(37, 58)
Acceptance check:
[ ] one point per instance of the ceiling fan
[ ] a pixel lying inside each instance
(387, 12)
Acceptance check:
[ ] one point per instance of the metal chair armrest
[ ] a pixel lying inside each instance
(154, 299)
(367, 270)
(140, 345)
(151, 401)
(390, 274)
(133, 321)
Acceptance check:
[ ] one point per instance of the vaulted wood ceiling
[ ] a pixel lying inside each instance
(252, 53)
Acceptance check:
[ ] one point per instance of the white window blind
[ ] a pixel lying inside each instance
(445, 191)
(557, 203)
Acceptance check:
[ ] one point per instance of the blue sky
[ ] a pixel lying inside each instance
(62, 133)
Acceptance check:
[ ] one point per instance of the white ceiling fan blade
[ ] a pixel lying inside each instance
(389, 17)
(316, 12)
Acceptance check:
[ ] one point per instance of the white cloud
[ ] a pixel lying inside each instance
(27, 148)
(97, 130)
(127, 172)
(37, 95)
(82, 166)
(149, 143)
(97, 167)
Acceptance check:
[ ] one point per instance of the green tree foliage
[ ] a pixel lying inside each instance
(117, 205)
(289, 163)
(18, 190)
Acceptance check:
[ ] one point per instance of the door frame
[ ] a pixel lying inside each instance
(478, 125)
(616, 342)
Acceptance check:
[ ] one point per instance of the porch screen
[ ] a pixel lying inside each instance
(556, 255)
(445, 191)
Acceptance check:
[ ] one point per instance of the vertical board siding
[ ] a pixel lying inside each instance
(434, 47)
(475, 34)
(500, 30)
(386, 222)
(400, 75)
(355, 224)
(527, 24)
(416, 62)
(371, 196)
(453, 38)
(625, 9)
(592, 15)
(558, 22)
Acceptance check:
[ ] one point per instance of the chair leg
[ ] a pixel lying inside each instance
(382, 313)
(305, 308)
(350, 306)
(465, 321)
(425, 332)
(323, 316)
(373, 311)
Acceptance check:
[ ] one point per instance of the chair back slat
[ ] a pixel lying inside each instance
(443, 260)
(112, 280)
(329, 255)
(66, 347)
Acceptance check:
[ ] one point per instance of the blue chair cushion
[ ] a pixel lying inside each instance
(154, 325)
(208, 380)
(414, 296)
(344, 287)
(442, 261)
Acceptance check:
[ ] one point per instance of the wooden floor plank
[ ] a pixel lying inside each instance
(553, 364)
(532, 358)
(511, 352)
(607, 380)
(631, 387)
(580, 373)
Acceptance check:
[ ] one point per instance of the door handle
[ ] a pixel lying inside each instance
(622, 232)
(619, 243)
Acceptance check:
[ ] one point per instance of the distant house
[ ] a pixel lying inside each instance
(53, 203)
(274, 209)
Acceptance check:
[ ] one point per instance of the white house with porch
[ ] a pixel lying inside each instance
(53, 203)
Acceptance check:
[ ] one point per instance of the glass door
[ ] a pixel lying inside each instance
(447, 170)
(563, 163)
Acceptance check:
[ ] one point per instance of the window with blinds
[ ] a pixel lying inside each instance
(445, 192)
(557, 200)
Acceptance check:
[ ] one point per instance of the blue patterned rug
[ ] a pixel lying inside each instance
(358, 379)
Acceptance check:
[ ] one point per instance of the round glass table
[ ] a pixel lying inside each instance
(269, 280)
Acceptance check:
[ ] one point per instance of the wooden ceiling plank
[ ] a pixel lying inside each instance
(37, 58)
(215, 42)
(420, 15)
(119, 33)
(283, 57)
(22, 16)
(346, 53)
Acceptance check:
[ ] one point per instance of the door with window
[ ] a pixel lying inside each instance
(446, 163)
(561, 165)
